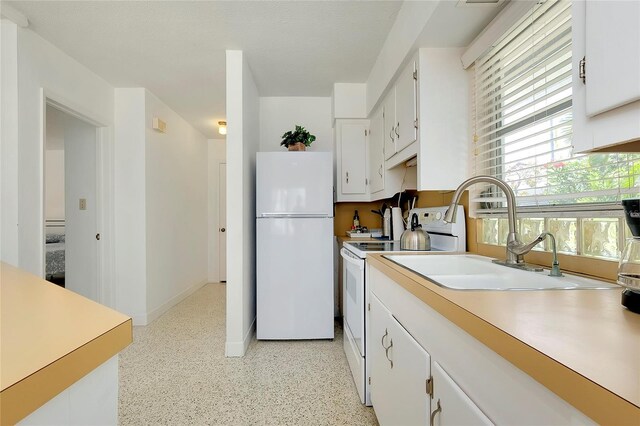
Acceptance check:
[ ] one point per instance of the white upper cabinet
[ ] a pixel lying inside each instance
(376, 152)
(606, 105)
(406, 111)
(352, 179)
(612, 54)
(389, 112)
(443, 126)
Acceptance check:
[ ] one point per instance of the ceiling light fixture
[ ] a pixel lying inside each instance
(222, 127)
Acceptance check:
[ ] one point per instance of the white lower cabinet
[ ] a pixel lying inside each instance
(470, 384)
(451, 406)
(400, 370)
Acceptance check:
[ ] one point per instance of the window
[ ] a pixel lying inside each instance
(523, 135)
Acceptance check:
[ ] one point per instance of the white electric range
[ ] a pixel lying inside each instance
(448, 237)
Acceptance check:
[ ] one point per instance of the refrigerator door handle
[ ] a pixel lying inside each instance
(311, 215)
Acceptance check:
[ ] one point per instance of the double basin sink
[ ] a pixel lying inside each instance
(471, 272)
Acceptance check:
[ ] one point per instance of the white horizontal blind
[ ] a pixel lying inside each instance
(523, 122)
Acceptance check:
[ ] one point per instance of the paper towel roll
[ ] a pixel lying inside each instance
(397, 224)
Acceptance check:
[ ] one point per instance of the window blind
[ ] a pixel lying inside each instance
(523, 122)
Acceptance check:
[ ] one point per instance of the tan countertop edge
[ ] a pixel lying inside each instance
(597, 402)
(27, 395)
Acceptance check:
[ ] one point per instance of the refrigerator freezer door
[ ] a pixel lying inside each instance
(292, 183)
(294, 278)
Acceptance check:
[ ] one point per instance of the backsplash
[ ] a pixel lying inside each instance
(578, 264)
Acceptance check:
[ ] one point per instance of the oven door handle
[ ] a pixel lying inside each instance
(359, 263)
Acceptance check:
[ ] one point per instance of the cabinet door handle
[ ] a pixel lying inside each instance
(386, 352)
(347, 177)
(435, 412)
(397, 127)
(391, 133)
(380, 170)
(386, 333)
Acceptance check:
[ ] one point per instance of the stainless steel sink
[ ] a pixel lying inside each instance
(471, 272)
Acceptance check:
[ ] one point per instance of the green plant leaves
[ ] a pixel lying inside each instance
(298, 135)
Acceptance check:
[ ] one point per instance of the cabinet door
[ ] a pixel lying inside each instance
(353, 158)
(451, 406)
(399, 371)
(376, 152)
(612, 54)
(389, 114)
(406, 111)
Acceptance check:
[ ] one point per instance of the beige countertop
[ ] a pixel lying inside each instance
(581, 344)
(51, 337)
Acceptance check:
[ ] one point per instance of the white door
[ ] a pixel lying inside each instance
(389, 114)
(399, 370)
(451, 406)
(353, 158)
(222, 226)
(406, 108)
(294, 259)
(81, 208)
(612, 54)
(376, 152)
(294, 183)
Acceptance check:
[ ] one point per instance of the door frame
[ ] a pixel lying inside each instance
(220, 163)
(105, 250)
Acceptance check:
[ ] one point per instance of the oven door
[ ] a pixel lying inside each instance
(353, 295)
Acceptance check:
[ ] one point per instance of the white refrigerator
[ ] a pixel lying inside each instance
(294, 244)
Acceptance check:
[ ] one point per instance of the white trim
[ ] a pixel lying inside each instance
(105, 272)
(8, 12)
(503, 21)
(239, 349)
(157, 313)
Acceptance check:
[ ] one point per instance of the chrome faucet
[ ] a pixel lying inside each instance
(555, 265)
(516, 249)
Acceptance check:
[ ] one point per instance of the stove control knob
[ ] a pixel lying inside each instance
(438, 216)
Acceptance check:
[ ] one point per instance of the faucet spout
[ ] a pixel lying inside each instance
(513, 239)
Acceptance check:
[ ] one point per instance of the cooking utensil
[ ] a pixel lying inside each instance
(415, 238)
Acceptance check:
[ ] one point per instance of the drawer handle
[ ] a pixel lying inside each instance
(386, 352)
(435, 412)
(386, 333)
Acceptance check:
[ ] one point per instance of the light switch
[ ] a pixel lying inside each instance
(83, 203)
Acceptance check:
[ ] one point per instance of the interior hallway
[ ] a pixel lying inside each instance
(175, 372)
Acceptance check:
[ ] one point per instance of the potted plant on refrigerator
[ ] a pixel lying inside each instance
(298, 139)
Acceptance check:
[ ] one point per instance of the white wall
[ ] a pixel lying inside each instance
(280, 114)
(406, 29)
(243, 135)
(43, 66)
(9, 243)
(176, 175)
(161, 206)
(130, 204)
(217, 155)
(54, 165)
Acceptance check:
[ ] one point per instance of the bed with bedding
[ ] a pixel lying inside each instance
(54, 258)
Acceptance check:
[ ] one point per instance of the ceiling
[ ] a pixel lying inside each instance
(176, 49)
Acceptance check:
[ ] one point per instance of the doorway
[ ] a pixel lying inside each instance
(71, 202)
(222, 227)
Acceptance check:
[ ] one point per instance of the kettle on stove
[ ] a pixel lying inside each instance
(415, 238)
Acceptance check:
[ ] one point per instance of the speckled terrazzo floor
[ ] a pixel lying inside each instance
(175, 373)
